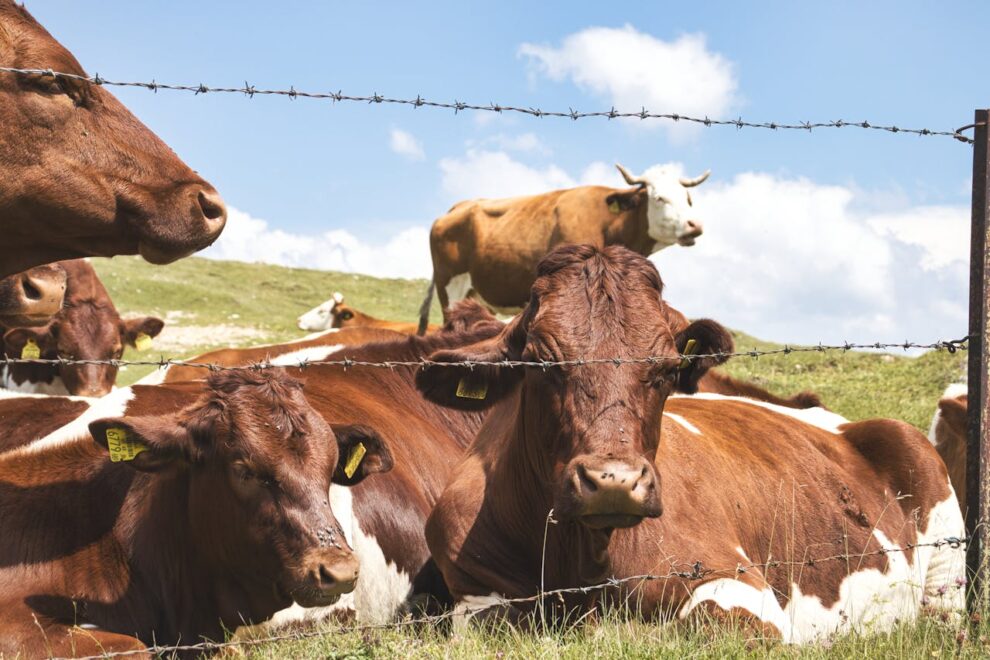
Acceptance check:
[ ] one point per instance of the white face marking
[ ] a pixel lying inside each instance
(668, 210)
(112, 405)
(311, 354)
(318, 318)
(683, 422)
(819, 417)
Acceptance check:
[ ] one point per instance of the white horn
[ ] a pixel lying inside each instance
(630, 179)
(691, 183)
(338, 297)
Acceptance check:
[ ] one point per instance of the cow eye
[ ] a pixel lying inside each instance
(346, 316)
(55, 85)
(662, 199)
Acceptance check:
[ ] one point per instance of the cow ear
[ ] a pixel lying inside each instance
(148, 444)
(704, 337)
(362, 453)
(954, 411)
(480, 386)
(16, 340)
(147, 325)
(625, 200)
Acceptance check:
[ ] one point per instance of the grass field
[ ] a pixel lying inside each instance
(210, 304)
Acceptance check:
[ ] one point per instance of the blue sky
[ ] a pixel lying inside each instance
(368, 174)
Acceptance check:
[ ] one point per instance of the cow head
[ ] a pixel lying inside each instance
(91, 179)
(670, 218)
(592, 430)
(257, 462)
(84, 331)
(324, 316)
(31, 298)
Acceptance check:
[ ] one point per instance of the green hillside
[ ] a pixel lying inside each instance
(209, 304)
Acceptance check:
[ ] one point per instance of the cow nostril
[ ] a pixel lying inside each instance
(31, 292)
(326, 578)
(212, 206)
(585, 480)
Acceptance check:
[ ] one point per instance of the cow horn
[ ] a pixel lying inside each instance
(630, 179)
(338, 297)
(691, 183)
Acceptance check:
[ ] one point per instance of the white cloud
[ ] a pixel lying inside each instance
(522, 142)
(494, 174)
(632, 70)
(790, 260)
(406, 254)
(405, 144)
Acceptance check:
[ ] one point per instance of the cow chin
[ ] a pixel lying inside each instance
(686, 241)
(610, 521)
(159, 256)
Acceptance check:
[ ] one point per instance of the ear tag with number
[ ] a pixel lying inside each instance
(688, 350)
(142, 342)
(614, 207)
(31, 351)
(354, 460)
(122, 449)
(466, 391)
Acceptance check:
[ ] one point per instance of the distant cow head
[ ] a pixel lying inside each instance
(593, 429)
(90, 178)
(31, 298)
(330, 314)
(670, 215)
(258, 461)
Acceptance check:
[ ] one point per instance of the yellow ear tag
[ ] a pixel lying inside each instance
(614, 207)
(688, 350)
(142, 342)
(122, 449)
(354, 460)
(465, 391)
(31, 351)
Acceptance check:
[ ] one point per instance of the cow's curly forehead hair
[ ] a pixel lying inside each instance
(596, 262)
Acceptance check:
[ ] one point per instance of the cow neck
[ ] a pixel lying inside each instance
(132, 530)
(521, 496)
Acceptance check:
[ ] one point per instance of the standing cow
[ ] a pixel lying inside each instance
(87, 328)
(81, 175)
(488, 249)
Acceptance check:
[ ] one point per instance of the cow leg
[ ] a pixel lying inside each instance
(26, 634)
(743, 601)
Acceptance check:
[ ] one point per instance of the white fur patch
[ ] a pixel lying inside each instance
(310, 354)
(318, 318)
(683, 422)
(458, 287)
(728, 593)
(54, 388)
(818, 417)
(468, 606)
(112, 405)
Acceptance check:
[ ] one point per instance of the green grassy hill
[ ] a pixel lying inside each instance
(209, 304)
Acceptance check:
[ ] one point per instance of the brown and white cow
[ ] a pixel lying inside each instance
(720, 483)
(200, 506)
(81, 175)
(488, 249)
(31, 298)
(334, 313)
(948, 434)
(87, 328)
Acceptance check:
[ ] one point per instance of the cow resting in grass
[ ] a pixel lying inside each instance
(173, 514)
(87, 328)
(702, 490)
(488, 249)
(81, 175)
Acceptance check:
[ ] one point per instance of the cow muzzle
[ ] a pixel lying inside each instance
(610, 493)
(36, 296)
(164, 242)
(325, 578)
(692, 230)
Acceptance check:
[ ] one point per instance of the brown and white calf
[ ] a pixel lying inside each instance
(81, 175)
(639, 483)
(174, 513)
(31, 298)
(335, 313)
(88, 327)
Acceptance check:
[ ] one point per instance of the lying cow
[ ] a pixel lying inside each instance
(173, 514)
(31, 298)
(743, 482)
(335, 314)
(488, 249)
(87, 328)
(90, 178)
(948, 434)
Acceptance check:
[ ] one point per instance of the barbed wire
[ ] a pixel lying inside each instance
(695, 571)
(251, 91)
(951, 346)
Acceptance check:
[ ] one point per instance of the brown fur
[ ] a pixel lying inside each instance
(31, 298)
(950, 437)
(222, 520)
(88, 327)
(82, 176)
(345, 316)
